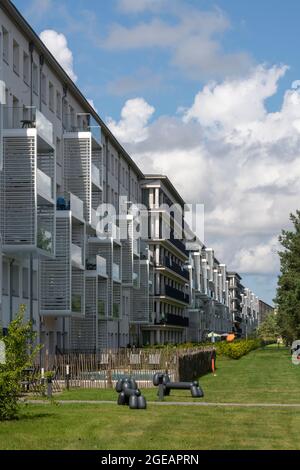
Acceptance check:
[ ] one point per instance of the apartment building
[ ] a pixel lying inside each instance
(60, 162)
(236, 290)
(264, 310)
(85, 285)
(169, 321)
(209, 310)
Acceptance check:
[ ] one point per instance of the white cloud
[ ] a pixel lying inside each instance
(192, 38)
(58, 46)
(92, 104)
(260, 258)
(36, 9)
(228, 152)
(134, 118)
(138, 6)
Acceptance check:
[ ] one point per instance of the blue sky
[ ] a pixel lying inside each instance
(199, 90)
(268, 30)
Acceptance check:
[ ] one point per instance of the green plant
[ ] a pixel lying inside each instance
(20, 353)
(115, 311)
(237, 348)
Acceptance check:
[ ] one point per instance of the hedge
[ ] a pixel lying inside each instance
(237, 348)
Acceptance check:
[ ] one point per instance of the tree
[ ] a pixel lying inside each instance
(20, 353)
(269, 330)
(288, 291)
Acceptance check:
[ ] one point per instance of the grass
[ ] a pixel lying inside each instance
(264, 376)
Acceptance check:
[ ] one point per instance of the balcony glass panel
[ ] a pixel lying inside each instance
(101, 266)
(95, 175)
(44, 239)
(76, 206)
(27, 117)
(76, 254)
(135, 280)
(44, 184)
(116, 272)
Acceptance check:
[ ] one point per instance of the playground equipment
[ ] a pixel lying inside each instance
(129, 394)
(165, 386)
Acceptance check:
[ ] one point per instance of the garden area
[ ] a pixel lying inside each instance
(232, 417)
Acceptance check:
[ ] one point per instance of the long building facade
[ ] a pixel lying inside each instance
(85, 285)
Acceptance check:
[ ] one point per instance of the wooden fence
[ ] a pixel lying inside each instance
(102, 370)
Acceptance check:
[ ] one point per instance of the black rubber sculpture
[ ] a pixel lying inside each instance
(165, 386)
(129, 394)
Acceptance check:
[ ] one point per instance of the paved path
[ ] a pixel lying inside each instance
(168, 403)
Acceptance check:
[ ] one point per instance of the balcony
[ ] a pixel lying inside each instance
(96, 176)
(76, 207)
(76, 255)
(44, 185)
(116, 273)
(176, 294)
(177, 268)
(28, 117)
(136, 281)
(175, 320)
(97, 265)
(94, 219)
(178, 244)
(82, 122)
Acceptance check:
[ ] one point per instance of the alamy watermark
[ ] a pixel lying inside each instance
(173, 222)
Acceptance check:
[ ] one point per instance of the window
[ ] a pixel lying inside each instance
(26, 68)
(51, 97)
(25, 285)
(58, 105)
(44, 88)
(16, 57)
(5, 36)
(15, 281)
(35, 79)
(72, 118)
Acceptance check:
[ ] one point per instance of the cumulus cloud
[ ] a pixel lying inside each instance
(227, 151)
(138, 6)
(134, 117)
(192, 38)
(58, 46)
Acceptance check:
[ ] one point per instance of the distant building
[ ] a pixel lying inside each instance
(264, 310)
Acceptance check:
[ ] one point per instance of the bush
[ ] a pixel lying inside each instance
(237, 348)
(20, 353)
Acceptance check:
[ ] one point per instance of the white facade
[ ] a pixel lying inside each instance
(60, 161)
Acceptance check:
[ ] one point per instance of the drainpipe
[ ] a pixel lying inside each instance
(31, 289)
(11, 290)
(42, 61)
(31, 49)
(65, 93)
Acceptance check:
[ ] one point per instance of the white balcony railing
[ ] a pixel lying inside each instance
(76, 254)
(76, 206)
(101, 266)
(95, 175)
(135, 280)
(94, 218)
(116, 272)
(44, 184)
(44, 127)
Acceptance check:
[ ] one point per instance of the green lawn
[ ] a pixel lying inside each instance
(264, 376)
